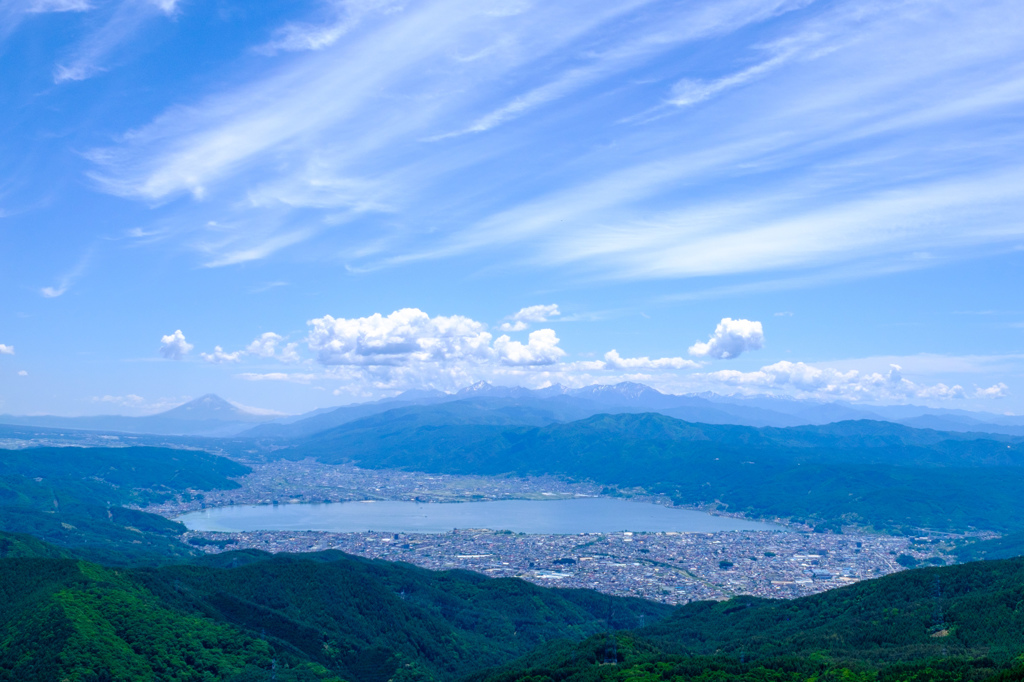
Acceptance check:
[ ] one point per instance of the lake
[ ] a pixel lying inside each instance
(585, 515)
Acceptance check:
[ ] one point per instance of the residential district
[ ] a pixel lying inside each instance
(669, 567)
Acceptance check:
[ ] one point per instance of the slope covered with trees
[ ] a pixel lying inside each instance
(953, 623)
(252, 616)
(238, 616)
(876, 473)
(74, 497)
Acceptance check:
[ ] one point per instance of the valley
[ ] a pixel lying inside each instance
(857, 504)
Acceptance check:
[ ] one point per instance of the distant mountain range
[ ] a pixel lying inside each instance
(484, 403)
(208, 415)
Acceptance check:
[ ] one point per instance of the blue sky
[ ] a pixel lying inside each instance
(336, 201)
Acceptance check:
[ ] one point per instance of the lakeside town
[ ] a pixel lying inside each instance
(671, 567)
(309, 481)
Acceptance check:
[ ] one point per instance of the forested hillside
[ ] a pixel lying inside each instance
(874, 473)
(236, 616)
(955, 623)
(240, 615)
(73, 497)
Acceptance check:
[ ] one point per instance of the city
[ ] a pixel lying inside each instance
(674, 568)
(669, 567)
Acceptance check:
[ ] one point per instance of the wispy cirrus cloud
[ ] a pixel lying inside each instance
(43, 6)
(340, 18)
(91, 55)
(13, 12)
(435, 60)
(69, 277)
(837, 134)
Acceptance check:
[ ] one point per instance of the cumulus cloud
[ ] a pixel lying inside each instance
(535, 313)
(406, 335)
(999, 390)
(289, 353)
(542, 349)
(6, 350)
(22, 373)
(828, 382)
(218, 356)
(798, 375)
(130, 400)
(612, 360)
(265, 346)
(174, 346)
(731, 338)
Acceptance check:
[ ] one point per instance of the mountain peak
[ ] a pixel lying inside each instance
(213, 407)
(629, 390)
(477, 388)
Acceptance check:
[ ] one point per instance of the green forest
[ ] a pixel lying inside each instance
(864, 472)
(74, 497)
(254, 616)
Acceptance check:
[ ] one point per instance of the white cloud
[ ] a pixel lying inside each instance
(923, 165)
(542, 349)
(265, 346)
(403, 74)
(378, 355)
(43, 6)
(731, 338)
(999, 390)
(411, 349)
(830, 383)
(22, 373)
(345, 16)
(535, 313)
(68, 278)
(6, 350)
(88, 57)
(855, 142)
(218, 356)
(690, 91)
(290, 353)
(174, 346)
(166, 6)
(406, 335)
(612, 360)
